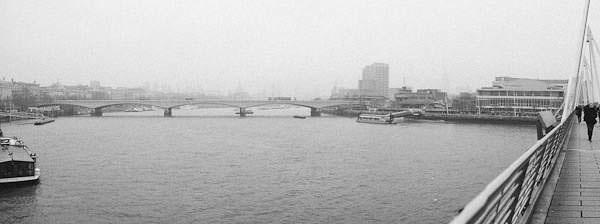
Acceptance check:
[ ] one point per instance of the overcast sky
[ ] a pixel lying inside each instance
(296, 48)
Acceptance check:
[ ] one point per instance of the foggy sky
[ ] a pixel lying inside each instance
(288, 48)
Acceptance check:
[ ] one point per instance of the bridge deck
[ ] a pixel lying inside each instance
(576, 197)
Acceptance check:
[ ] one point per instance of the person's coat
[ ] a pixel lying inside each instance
(590, 114)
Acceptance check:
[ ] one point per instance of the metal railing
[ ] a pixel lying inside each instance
(510, 197)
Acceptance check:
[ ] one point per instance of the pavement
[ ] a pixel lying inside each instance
(576, 197)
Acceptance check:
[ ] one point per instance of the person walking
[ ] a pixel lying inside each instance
(590, 112)
(578, 113)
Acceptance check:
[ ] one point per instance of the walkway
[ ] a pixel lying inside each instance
(576, 198)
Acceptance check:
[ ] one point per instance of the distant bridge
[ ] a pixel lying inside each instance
(167, 104)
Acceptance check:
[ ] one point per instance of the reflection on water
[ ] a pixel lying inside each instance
(210, 166)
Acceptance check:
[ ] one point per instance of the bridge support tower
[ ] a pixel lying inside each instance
(315, 112)
(168, 112)
(97, 112)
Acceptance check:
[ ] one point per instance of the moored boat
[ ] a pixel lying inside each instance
(18, 165)
(299, 117)
(43, 121)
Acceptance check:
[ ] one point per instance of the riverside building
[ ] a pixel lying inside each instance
(375, 80)
(520, 96)
(422, 99)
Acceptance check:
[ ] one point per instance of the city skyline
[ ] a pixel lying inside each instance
(299, 48)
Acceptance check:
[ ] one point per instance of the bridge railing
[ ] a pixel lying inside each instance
(510, 197)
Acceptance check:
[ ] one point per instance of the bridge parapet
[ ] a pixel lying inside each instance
(176, 103)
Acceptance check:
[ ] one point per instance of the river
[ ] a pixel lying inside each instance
(210, 166)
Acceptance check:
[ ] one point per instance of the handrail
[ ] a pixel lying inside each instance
(509, 198)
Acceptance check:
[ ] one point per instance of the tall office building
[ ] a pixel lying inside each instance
(375, 80)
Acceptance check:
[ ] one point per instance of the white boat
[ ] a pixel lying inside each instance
(18, 165)
(376, 119)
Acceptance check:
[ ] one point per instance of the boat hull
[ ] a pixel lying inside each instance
(43, 122)
(376, 122)
(376, 119)
(35, 179)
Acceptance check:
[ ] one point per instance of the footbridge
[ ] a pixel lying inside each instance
(557, 180)
(168, 104)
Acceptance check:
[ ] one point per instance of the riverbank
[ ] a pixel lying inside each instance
(463, 118)
(472, 118)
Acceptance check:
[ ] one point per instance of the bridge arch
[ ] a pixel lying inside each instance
(315, 111)
(204, 103)
(282, 103)
(127, 103)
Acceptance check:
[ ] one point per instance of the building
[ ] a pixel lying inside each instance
(435, 94)
(24, 94)
(520, 96)
(465, 103)
(5, 95)
(55, 91)
(423, 99)
(367, 87)
(77, 92)
(24, 89)
(341, 93)
(121, 93)
(393, 91)
(5, 91)
(375, 80)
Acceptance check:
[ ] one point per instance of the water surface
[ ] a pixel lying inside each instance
(210, 166)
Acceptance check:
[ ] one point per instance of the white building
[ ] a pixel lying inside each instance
(520, 96)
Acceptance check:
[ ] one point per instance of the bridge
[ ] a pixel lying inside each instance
(557, 180)
(168, 104)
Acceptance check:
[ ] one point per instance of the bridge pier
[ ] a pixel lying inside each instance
(315, 112)
(168, 112)
(242, 112)
(96, 112)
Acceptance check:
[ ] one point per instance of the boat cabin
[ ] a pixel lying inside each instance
(15, 159)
